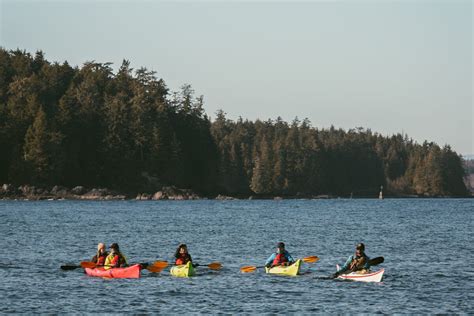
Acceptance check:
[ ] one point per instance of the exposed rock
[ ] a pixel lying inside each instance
(59, 191)
(224, 197)
(96, 194)
(159, 196)
(101, 194)
(178, 197)
(278, 198)
(173, 193)
(114, 197)
(322, 196)
(26, 190)
(7, 189)
(194, 196)
(78, 190)
(41, 191)
(143, 196)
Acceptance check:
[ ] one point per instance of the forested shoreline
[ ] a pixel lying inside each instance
(88, 126)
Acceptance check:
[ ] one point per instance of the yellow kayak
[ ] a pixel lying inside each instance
(292, 270)
(183, 271)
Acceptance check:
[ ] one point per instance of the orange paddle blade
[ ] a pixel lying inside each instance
(154, 269)
(160, 264)
(311, 259)
(88, 264)
(214, 265)
(248, 269)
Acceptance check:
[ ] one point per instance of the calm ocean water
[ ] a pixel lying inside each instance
(427, 245)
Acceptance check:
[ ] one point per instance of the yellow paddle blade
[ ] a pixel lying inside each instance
(248, 269)
(88, 264)
(311, 259)
(214, 265)
(154, 269)
(160, 264)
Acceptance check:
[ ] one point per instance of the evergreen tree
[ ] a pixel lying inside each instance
(88, 126)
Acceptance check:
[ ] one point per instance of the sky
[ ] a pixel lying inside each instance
(391, 66)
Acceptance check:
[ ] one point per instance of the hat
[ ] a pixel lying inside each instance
(281, 245)
(114, 246)
(360, 246)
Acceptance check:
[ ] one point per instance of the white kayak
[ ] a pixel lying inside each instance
(363, 276)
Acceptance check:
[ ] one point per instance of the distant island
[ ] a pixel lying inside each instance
(87, 132)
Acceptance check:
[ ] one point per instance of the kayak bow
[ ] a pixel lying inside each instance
(183, 270)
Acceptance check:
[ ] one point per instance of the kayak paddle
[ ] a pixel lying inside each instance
(212, 266)
(376, 261)
(84, 264)
(69, 267)
(247, 269)
(158, 266)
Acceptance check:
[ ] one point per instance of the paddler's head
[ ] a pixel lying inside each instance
(360, 248)
(280, 247)
(114, 248)
(183, 249)
(101, 247)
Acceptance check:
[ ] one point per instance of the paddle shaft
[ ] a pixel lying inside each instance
(69, 267)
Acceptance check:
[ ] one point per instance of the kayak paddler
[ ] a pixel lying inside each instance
(182, 255)
(115, 259)
(358, 261)
(101, 255)
(280, 257)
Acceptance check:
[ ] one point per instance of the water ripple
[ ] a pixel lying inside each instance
(426, 245)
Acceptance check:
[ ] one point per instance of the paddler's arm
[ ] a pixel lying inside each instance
(289, 257)
(270, 259)
(367, 263)
(191, 260)
(346, 265)
(344, 268)
(125, 261)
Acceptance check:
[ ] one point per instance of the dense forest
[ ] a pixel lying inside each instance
(125, 130)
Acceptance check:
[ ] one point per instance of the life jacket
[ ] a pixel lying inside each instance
(115, 260)
(279, 259)
(358, 263)
(101, 259)
(183, 259)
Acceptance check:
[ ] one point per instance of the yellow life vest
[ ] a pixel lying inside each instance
(109, 261)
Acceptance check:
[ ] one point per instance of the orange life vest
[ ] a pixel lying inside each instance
(101, 259)
(183, 259)
(279, 259)
(118, 260)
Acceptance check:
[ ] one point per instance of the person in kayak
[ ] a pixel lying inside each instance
(358, 261)
(115, 259)
(281, 257)
(101, 255)
(182, 256)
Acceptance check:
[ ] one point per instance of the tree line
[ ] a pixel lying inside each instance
(127, 131)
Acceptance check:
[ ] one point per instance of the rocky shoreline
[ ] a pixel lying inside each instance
(57, 192)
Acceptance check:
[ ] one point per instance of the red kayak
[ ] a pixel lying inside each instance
(132, 272)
